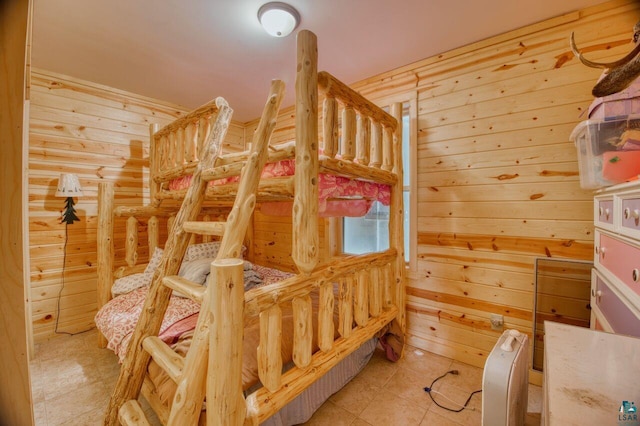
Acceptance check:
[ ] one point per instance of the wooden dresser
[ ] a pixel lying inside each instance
(615, 281)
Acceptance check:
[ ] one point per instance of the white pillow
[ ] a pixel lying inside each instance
(154, 262)
(130, 282)
(196, 270)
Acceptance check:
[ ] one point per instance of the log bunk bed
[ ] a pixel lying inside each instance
(332, 308)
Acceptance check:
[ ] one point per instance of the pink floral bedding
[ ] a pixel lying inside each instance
(338, 195)
(117, 319)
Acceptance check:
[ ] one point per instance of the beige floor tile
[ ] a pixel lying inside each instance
(379, 369)
(424, 362)
(330, 414)
(389, 409)
(77, 404)
(469, 378)
(356, 395)
(40, 413)
(435, 419)
(360, 422)
(455, 398)
(535, 399)
(409, 385)
(70, 373)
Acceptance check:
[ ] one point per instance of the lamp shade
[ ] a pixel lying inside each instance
(278, 19)
(69, 186)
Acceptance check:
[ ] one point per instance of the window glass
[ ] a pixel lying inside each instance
(370, 233)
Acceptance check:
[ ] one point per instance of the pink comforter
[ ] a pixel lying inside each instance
(333, 192)
(117, 319)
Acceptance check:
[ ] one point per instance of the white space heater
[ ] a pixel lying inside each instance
(505, 381)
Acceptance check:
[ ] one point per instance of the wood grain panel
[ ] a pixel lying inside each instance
(15, 331)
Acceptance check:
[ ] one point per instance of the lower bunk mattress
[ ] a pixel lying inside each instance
(116, 321)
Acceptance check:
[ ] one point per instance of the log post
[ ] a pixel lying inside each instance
(363, 140)
(388, 138)
(154, 164)
(270, 348)
(345, 308)
(349, 129)
(396, 219)
(105, 249)
(153, 234)
(302, 331)
(325, 317)
(375, 293)
(376, 145)
(206, 238)
(191, 142)
(361, 298)
(306, 240)
(330, 126)
(225, 402)
(131, 248)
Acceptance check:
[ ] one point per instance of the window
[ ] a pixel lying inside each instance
(370, 233)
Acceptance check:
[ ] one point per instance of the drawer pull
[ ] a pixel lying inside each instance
(601, 251)
(606, 213)
(635, 275)
(635, 213)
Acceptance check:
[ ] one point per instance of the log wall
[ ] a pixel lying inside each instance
(497, 176)
(101, 134)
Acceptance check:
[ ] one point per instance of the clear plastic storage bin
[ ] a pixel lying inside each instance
(608, 151)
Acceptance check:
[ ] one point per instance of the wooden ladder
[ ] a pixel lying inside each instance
(190, 372)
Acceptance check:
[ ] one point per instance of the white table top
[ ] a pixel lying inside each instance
(588, 374)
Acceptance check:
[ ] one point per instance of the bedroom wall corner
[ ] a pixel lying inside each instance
(101, 134)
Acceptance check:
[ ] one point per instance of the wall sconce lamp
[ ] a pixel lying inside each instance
(278, 19)
(69, 187)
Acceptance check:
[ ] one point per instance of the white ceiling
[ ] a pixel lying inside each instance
(189, 51)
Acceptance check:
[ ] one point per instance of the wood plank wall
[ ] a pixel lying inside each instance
(15, 386)
(99, 133)
(497, 176)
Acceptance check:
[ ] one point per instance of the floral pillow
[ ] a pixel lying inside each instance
(154, 262)
(202, 251)
(130, 282)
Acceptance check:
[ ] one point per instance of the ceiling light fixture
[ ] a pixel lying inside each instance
(278, 19)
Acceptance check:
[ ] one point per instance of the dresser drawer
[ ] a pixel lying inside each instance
(618, 315)
(621, 260)
(603, 213)
(630, 216)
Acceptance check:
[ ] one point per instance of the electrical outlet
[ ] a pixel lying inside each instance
(497, 322)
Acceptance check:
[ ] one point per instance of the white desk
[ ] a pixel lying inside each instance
(587, 375)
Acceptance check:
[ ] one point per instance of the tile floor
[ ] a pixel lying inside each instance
(72, 379)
